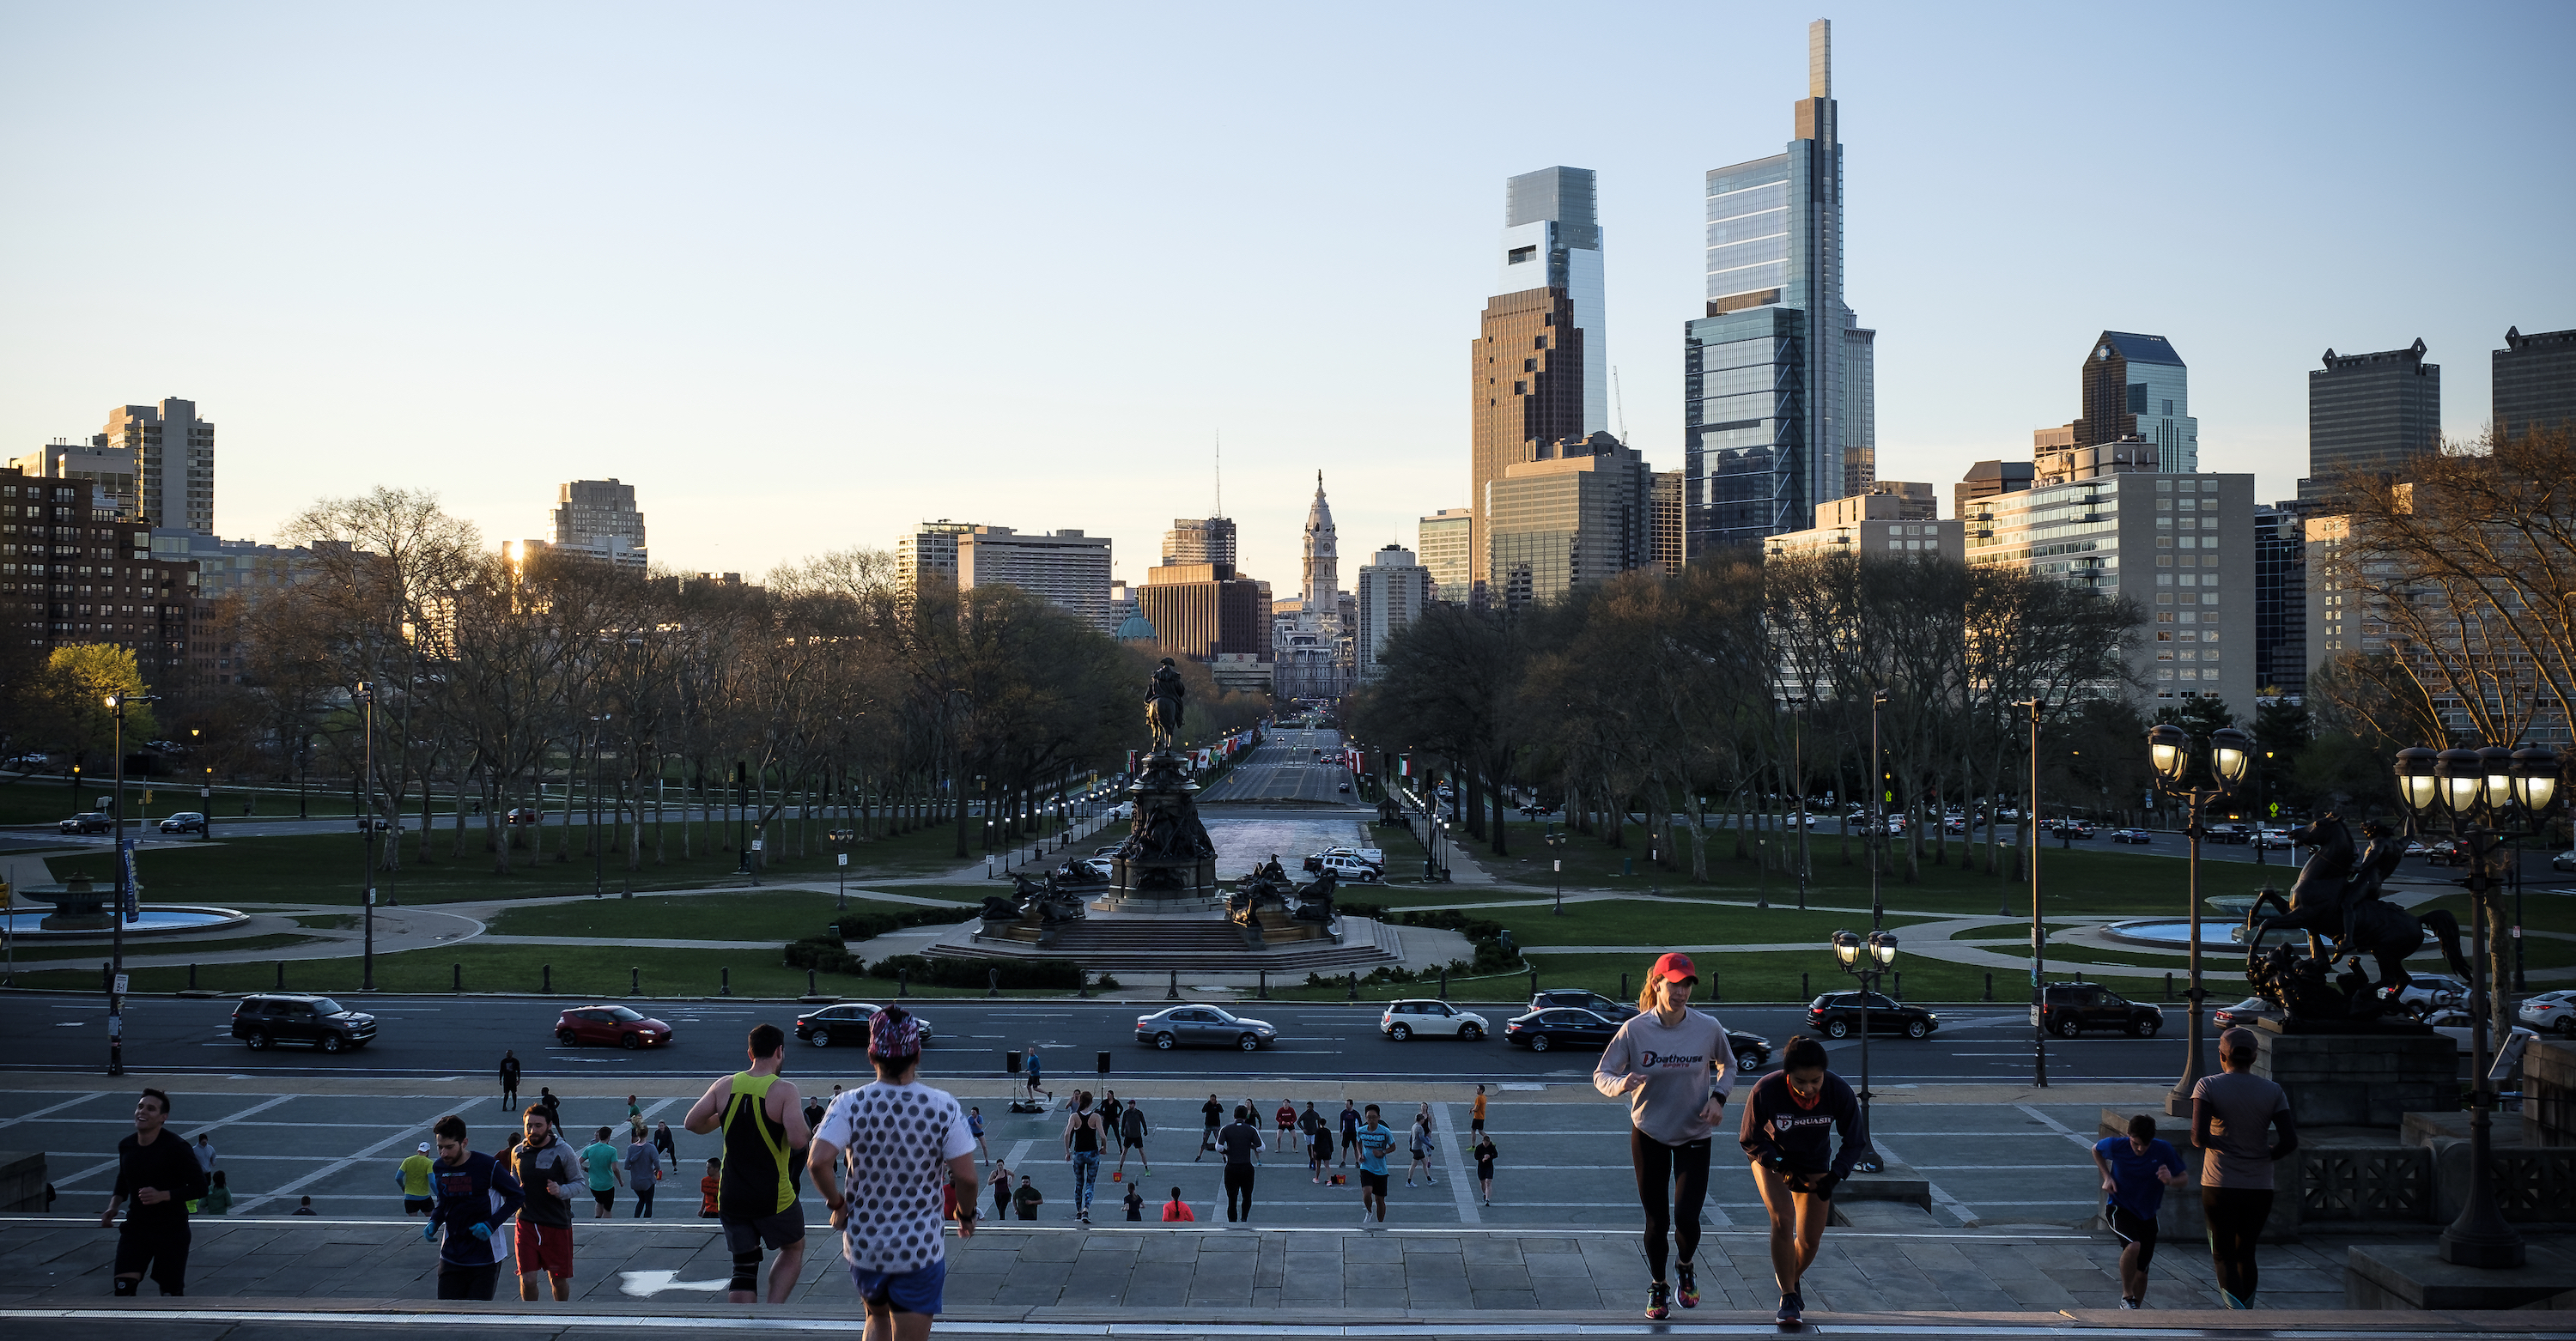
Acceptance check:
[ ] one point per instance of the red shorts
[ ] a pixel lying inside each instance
(546, 1248)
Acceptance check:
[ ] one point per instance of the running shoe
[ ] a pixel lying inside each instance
(2234, 1302)
(1659, 1300)
(1690, 1287)
(1791, 1306)
(2127, 1302)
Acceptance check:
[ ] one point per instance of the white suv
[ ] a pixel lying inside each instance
(1404, 1019)
(1350, 869)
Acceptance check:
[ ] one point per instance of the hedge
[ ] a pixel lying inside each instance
(944, 972)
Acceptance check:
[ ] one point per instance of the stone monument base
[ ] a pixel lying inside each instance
(2414, 1276)
(2360, 1080)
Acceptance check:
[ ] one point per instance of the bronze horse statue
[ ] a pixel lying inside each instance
(2336, 899)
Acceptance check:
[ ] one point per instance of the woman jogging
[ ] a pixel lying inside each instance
(1421, 1148)
(1672, 1065)
(1791, 1126)
(2232, 1114)
(1485, 1167)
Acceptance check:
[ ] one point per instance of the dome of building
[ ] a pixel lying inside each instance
(1136, 628)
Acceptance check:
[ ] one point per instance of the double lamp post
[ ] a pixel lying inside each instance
(2169, 750)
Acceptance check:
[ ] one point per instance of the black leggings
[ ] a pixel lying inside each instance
(1672, 1184)
(2235, 1216)
(1238, 1183)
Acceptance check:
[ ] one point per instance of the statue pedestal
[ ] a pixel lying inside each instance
(1167, 859)
(2359, 1080)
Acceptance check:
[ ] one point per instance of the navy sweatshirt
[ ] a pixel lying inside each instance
(1774, 1124)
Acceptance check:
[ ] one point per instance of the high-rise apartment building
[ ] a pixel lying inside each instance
(1067, 568)
(1444, 540)
(2177, 545)
(1200, 540)
(2135, 386)
(1394, 590)
(111, 476)
(1578, 517)
(173, 452)
(72, 572)
(1986, 479)
(1873, 523)
(2534, 381)
(1667, 523)
(2281, 598)
(928, 552)
(1779, 411)
(1320, 586)
(598, 518)
(2370, 412)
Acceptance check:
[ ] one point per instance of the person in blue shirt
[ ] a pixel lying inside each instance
(1373, 1140)
(2135, 1169)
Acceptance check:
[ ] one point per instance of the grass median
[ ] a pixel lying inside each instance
(747, 915)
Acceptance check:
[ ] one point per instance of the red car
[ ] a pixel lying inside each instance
(609, 1025)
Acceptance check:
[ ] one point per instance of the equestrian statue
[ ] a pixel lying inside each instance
(2336, 903)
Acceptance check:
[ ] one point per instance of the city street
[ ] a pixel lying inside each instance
(1284, 768)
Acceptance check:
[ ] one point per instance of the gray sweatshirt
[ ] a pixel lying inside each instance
(1683, 1066)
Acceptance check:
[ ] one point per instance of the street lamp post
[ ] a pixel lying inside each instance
(2480, 793)
(2038, 928)
(598, 848)
(127, 900)
(1877, 815)
(1556, 844)
(365, 696)
(2169, 751)
(1865, 960)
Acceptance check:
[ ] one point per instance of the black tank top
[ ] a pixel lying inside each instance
(1086, 1138)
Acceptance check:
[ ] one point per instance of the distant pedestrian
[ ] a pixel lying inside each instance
(554, 1107)
(1672, 1065)
(1213, 1114)
(1287, 1116)
(1110, 1109)
(975, 1124)
(2135, 1170)
(1177, 1211)
(549, 1173)
(304, 1206)
(600, 1169)
(413, 1175)
(643, 1174)
(476, 1198)
(1476, 1115)
(160, 1175)
(1241, 1143)
(662, 1142)
(1419, 1142)
(1350, 1133)
(1035, 1070)
(763, 1124)
(1374, 1141)
(1131, 1136)
(710, 1190)
(1135, 1203)
(813, 1111)
(509, 1081)
(1028, 1198)
(1802, 1131)
(1485, 1167)
(1319, 1150)
(218, 1199)
(2232, 1115)
(205, 1151)
(899, 1136)
(1083, 1142)
(1001, 1192)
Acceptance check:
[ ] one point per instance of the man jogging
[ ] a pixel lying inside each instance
(1350, 1133)
(2232, 1114)
(509, 1081)
(1036, 1075)
(1212, 1114)
(1240, 1140)
(1131, 1136)
(160, 1175)
(2135, 1169)
(764, 1130)
(476, 1196)
(897, 1137)
(643, 1173)
(1790, 1126)
(1372, 1141)
(413, 1176)
(601, 1169)
(975, 1128)
(1672, 1065)
(549, 1175)
(1083, 1142)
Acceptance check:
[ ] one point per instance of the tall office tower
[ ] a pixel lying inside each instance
(174, 456)
(1986, 479)
(928, 552)
(1393, 592)
(2534, 381)
(1577, 517)
(1527, 370)
(1200, 540)
(1321, 573)
(2281, 597)
(2135, 386)
(1779, 411)
(2370, 412)
(1067, 568)
(1443, 540)
(598, 517)
(1552, 240)
(1668, 523)
(110, 475)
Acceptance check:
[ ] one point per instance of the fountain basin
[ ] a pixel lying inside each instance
(162, 919)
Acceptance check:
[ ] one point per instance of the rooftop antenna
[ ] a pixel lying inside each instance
(1619, 400)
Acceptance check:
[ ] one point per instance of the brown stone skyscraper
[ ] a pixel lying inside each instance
(1526, 371)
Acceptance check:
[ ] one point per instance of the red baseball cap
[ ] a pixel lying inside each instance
(1673, 968)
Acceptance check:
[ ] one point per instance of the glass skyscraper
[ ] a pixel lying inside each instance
(1778, 414)
(1552, 240)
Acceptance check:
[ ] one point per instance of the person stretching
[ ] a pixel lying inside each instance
(1672, 1065)
(1791, 1125)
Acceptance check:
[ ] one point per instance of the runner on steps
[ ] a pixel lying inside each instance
(1672, 1065)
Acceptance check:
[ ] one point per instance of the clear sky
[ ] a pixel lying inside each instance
(807, 274)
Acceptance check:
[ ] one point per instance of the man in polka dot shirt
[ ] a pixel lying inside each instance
(890, 1138)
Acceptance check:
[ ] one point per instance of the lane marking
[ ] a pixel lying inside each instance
(406, 1132)
(1941, 1198)
(56, 1108)
(1460, 1188)
(2054, 1125)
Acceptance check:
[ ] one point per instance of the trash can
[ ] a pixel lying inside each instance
(1010, 1063)
(1104, 1061)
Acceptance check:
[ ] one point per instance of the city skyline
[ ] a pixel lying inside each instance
(607, 296)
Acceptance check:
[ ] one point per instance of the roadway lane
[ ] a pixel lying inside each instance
(444, 1036)
(1284, 768)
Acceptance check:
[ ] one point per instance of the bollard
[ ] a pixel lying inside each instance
(1803, 993)
(724, 982)
(809, 982)
(548, 979)
(458, 972)
(1899, 978)
(903, 982)
(281, 974)
(1990, 987)
(1533, 980)
(635, 981)
(1623, 986)
(1265, 984)
(1444, 983)
(1355, 986)
(1712, 985)
(2168, 986)
(1173, 992)
(992, 982)
(192, 977)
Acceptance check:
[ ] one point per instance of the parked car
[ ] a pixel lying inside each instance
(609, 1024)
(1366, 856)
(2554, 1012)
(185, 821)
(2429, 992)
(88, 821)
(2069, 1008)
(377, 823)
(1351, 869)
(1109, 851)
(2564, 861)
(2243, 1013)
(1838, 1015)
(2455, 1025)
(2447, 853)
(1422, 1015)
(26, 762)
(1574, 1027)
(2227, 833)
(1577, 998)
(2274, 839)
(2132, 836)
(844, 1023)
(524, 815)
(1205, 1027)
(267, 1019)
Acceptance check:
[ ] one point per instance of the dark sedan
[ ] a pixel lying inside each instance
(88, 821)
(1838, 1015)
(1569, 1027)
(844, 1023)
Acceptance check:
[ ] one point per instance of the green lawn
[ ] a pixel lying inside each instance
(150, 945)
(46, 800)
(745, 915)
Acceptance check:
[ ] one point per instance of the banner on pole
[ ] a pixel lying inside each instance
(128, 897)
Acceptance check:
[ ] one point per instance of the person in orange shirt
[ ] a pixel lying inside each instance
(1176, 1209)
(1476, 1117)
(707, 1190)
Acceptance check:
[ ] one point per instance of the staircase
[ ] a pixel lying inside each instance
(1158, 944)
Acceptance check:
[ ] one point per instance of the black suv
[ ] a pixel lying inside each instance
(88, 821)
(2070, 1008)
(271, 1018)
(1838, 1015)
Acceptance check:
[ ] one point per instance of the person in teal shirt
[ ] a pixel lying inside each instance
(600, 1166)
(1375, 1140)
(218, 1199)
